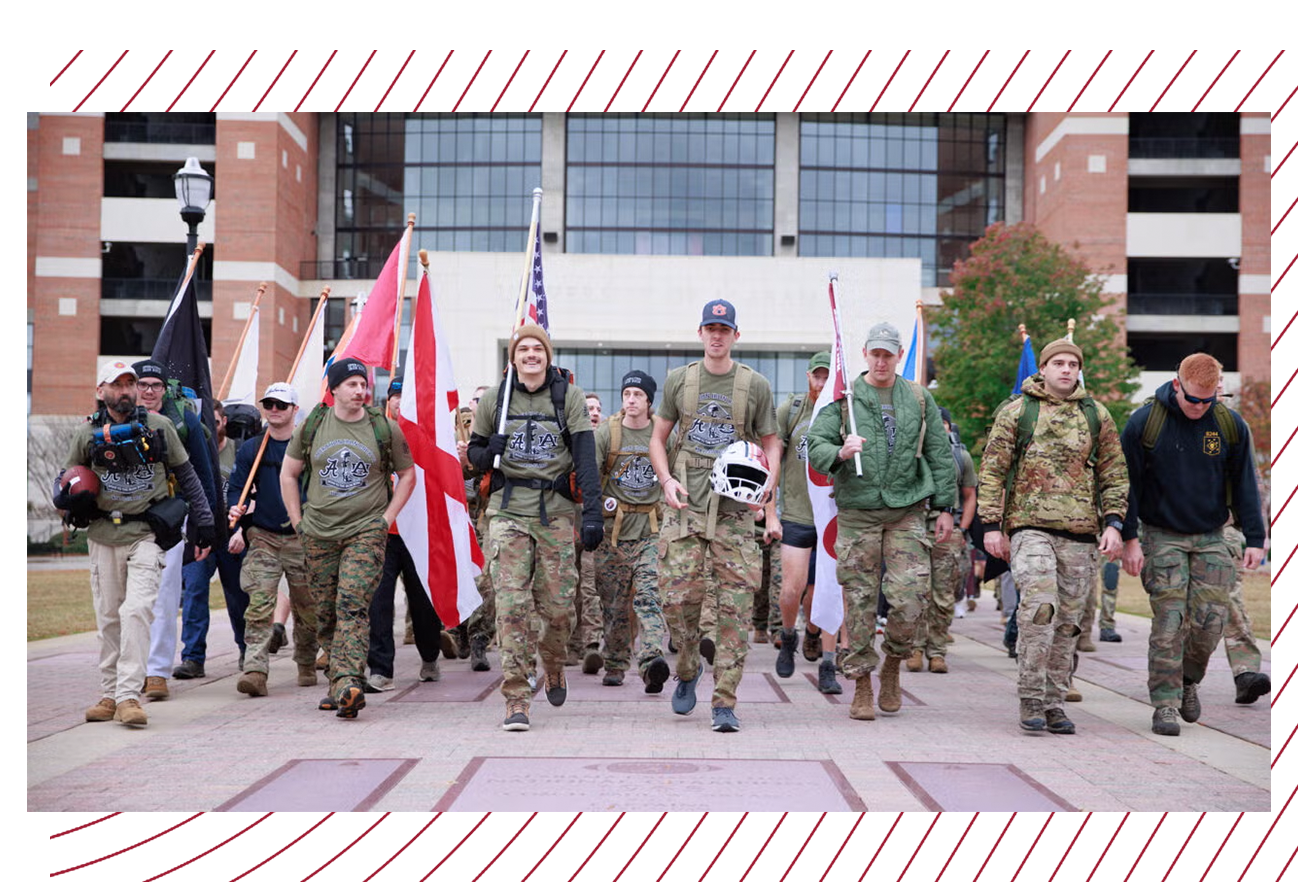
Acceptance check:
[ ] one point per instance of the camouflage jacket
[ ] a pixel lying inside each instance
(1053, 488)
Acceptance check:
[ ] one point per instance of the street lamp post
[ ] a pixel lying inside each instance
(194, 193)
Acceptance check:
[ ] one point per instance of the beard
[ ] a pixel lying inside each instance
(122, 406)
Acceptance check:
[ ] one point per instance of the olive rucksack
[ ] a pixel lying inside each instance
(382, 435)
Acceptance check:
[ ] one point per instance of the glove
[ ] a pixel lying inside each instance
(592, 534)
(204, 535)
(496, 444)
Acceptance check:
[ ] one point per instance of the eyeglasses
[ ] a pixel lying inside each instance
(275, 404)
(1211, 399)
(149, 387)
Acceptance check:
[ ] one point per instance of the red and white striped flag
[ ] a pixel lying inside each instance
(827, 602)
(435, 523)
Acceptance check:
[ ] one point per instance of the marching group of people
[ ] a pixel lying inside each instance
(642, 533)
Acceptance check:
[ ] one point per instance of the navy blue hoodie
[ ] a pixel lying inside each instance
(1180, 485)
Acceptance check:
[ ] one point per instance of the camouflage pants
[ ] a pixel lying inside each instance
(683, 577)
(482, 622)
(1241, 646)
(766, 600)
(1053, 575)
(934, 625)
(344, 574)
(862, 550)
(533, 569)
(1101, 598)
(587, 618)
(270, 556)
(628, 589)
(1188, 580)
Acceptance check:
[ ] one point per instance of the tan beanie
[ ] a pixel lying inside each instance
(536, 332)
(1054, 347)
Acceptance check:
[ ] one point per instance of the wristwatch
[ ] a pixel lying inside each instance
(1113, 521)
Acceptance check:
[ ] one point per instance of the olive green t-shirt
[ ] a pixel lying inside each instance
(535, 450)
(713, 428)
(631, 479)
(344, 489)
(225, 460)
(129, 490)
(795, 503)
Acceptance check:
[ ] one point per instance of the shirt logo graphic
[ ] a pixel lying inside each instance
(345, 472)
(1212, 444)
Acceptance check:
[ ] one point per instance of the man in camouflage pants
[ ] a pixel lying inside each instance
(350, 504)
(1191, 464)
(627, 563)
(481, 626)
(717, 401)
(1241, 646)
(274, 548)
(1039, 504)
(905, 460)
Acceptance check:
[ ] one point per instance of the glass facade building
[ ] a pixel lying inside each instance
(920, 185)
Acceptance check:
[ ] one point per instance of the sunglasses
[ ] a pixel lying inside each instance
(1211, 399)
(274, 404)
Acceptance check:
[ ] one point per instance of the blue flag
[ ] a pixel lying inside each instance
(908, 370)
(1027, 364)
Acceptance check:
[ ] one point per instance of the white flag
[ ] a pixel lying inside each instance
(243, 388)
(310, 371)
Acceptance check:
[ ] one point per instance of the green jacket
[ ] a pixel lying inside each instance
(898, 480)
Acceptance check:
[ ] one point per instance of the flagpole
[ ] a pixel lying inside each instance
(842, 365)
(238, 349)
(292, 371)
(461, 431)
(920, 365)
(1072, 325)
(401, 291)
(520, 311)
(1023, 334)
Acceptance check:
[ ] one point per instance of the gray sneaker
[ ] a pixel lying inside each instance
(724, 720)
(1110, 635)
(378, 683)
(429, 672)
(1190, 707)
(684, 699)
(1165, 721)
(516, 717)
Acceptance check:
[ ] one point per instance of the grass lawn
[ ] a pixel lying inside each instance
(58, 602)
(1257, 599)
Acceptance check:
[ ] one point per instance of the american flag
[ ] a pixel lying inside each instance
(537, 310)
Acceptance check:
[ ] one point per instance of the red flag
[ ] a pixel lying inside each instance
(435, 524)
(373, 338)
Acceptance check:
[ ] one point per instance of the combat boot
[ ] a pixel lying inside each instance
(322, 663)
(1190, 707)
(828, 684)
(937, 664)
(155, 689)
(129, 713)
(306, 675)
(102, 712)
(890, 684)
(1032, 714)
(1165, 721)
(1250, 686)
(252, 683)
(915, 663)
(1058, 723)
(1085, 643)
(788, 646)
(811, 646)
(863, 700)
(478, 654)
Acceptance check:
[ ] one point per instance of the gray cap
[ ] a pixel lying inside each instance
(883, 336)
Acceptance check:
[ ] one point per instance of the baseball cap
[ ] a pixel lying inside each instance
(281, 392)
(111, 370)
(821, 360)
(883, 336)
(394, 388)
(719, 312)
(634, 379)
(344, 368)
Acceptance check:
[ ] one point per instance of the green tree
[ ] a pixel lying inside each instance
(1014, 275)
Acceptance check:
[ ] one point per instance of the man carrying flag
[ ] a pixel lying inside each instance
(905, 459)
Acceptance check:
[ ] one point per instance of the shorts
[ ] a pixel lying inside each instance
(802, 536)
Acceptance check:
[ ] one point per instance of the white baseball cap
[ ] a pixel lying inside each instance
(109, 371)
(281, 392)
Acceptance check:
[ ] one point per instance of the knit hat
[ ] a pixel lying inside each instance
(634, 379)
(344, 368)
(821, 360)
(1054, 347)
(536, 332)
(150, 368)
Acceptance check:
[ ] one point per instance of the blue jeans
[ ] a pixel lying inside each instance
(195, 614)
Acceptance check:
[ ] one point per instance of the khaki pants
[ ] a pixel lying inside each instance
(124, 585)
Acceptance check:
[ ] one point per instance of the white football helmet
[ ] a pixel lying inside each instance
(741, 472)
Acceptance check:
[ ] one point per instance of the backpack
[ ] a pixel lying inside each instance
(1225, 420)
(176, 399)
(382, 435)
(614, 451)
(564, 485)
(242, 421)
(1027, 424)
(689, 411)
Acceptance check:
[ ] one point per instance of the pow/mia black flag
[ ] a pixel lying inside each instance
(182, 348)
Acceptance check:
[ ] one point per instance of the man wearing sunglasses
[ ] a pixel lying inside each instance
(274, 548)
(1191, 466)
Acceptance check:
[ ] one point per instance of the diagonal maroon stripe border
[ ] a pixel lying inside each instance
(481, 820)
(1283, 687)
(699, 80)
(532, 816)
(1130, 81)
(276, 80)
(394, 81)
(547, 80)
(191, 79)
(101, 80)
(724, 845)
(1107, 847)
(412, 839)
(915, 853)
(1229, 834)
(995, 846)
(660, 81)
(879, 850)
(682, 848)
(1282, 106)
(471, 81)
(929, 80)
(526, 52)
(969, 80)
(554, 844)
(434, 79)
(1050, 817)
(316, 80)
(146, 80)
(623, 80)
(805, 843)
(890, 79)
(598, 59)
(1286, 744)
(1183, 845)
(1007, 80)
(1069, 850)
(1193, 52)
(850, 833)
(66, 66)
(1088, 80)
(813, 80)
(646, 836)
(85, 825)
(1259, 82)
(1214, 82)
(962, 835)
(233, 81)
(776, 77)
(345, 849)
(1067, 52)
(1146, 848)
(1282, 162)
(598, 846)
(220, 844)
(285, 848)
(130, 847)
(850, 81)
(758, 856)
(737, 79)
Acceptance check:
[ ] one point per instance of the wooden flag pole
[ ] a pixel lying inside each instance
(238, 349)
(1072, 325)
(265, 436)
(1023, 334)
(401, 292)
(921, 364)
(520, 311)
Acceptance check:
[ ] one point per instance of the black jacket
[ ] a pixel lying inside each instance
(1180, 485)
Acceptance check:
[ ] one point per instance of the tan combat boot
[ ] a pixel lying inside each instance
(937, 665)
(130, 713)
(102, 712)
(890, 684)
(155, 689)
(863, 700)
(915, 663)
(252, 683)
(322, 663)
(306, 675)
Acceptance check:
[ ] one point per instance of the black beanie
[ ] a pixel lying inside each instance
(343, 368)
(642, 381)
(151, 368)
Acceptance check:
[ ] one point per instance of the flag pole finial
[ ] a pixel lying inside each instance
(410, 219)
(1072, 326)
(1023, 332)
(423, 257)
(833, 276)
